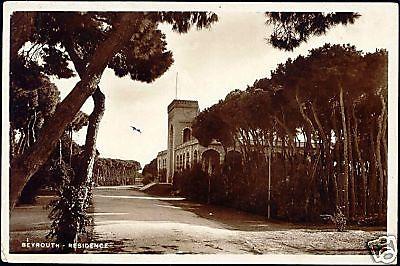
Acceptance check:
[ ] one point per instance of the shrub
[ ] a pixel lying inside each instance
(339, 220)
(147, 179)
(68, 211)
(192, 183)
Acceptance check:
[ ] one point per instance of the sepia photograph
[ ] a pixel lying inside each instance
(172, 132)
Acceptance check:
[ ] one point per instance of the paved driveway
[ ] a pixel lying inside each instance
(134, 222)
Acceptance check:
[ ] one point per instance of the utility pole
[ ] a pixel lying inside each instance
(269, 182)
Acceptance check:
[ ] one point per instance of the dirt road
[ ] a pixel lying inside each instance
(134, 222)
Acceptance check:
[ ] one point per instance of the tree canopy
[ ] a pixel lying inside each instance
(293, 28)
(329, 108)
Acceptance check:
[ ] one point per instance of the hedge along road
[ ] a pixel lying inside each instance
(130, 221)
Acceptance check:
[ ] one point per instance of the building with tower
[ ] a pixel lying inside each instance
(183, 150)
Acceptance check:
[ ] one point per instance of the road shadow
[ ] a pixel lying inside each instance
(244, 221)
(231, 218)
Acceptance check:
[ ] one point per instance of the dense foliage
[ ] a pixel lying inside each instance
(150, 172)
(317, 127)
(115, 172)
(29, 108)
(192, 182)
(293, 28)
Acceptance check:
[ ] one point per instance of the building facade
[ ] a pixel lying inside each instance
(183, 150)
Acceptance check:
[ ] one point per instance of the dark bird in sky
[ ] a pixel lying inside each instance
(136, 129)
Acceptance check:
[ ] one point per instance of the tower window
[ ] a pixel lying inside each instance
(187, 134)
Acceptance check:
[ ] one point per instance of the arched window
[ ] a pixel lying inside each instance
(195, 156)
(187, 134)
(187, 160)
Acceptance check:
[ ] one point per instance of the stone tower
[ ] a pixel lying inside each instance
(180, 116)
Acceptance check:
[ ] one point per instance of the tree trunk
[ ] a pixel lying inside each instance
(345, 154)
(84, 177)
(362, 165)
(326, 148)
(378, 143)
(337, 157)
(21, 142)
(33, 126)
(59, 151)
(309, 123)
(12, 143)
(24, 167)
(351, 188)
(286, 129)
(372, 184)
(384, 140)
(70, 145)
(26, 140)
(85, 174)
(385, 157)
(28, 132)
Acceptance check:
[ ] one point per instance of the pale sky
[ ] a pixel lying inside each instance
(211, 63)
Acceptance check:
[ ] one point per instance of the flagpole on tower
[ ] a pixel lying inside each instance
(176, 86)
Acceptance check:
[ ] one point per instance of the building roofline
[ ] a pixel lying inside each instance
(162, 152)
(186, 103)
